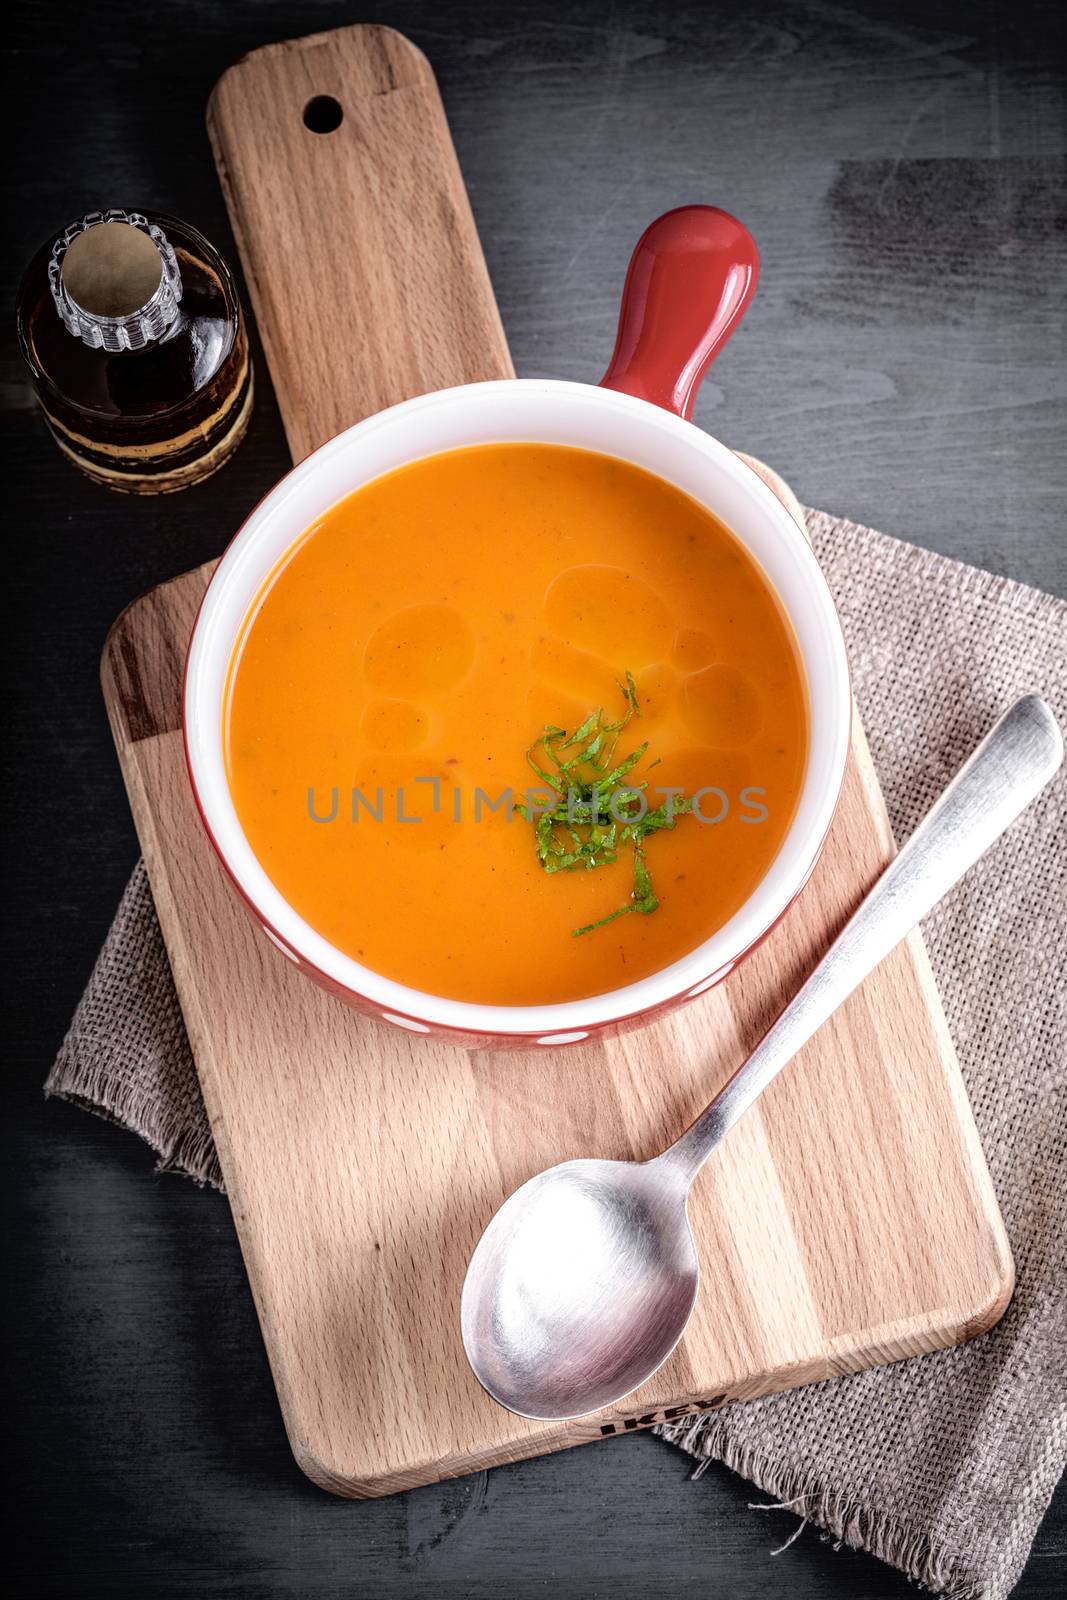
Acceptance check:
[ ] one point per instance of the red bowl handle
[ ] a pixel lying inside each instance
(690, 279)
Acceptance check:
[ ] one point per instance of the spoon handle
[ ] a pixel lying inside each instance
(1012, 764)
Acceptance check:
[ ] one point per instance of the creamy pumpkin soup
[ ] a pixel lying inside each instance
(516, 724)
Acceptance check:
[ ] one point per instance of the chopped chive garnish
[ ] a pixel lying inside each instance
(583, 830)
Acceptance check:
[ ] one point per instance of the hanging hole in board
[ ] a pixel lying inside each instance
(323, 114)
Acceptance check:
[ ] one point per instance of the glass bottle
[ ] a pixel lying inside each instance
(133, 333)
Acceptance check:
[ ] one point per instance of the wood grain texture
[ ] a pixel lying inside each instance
(849, 1220)
(360, 251)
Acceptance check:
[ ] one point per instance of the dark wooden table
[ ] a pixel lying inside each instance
(901, 166)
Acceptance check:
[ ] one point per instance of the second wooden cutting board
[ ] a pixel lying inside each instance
(849, 1220)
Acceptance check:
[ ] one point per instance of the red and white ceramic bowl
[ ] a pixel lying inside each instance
(690, 279)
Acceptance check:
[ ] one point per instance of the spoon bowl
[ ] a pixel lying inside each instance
(580, 1287)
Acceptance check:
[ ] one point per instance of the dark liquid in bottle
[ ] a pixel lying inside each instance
(155, 418)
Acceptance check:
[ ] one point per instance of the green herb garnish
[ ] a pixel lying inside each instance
(595, 813)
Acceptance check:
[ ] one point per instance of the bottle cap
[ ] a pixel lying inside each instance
(115, 280)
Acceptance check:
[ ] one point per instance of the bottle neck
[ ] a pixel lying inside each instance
(115, 280)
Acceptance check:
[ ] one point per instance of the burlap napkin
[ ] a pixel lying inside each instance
(944, 1465)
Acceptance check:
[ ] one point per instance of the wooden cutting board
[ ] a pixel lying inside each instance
(848, 1221)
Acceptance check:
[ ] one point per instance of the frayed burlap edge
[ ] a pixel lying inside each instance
(913, 1552)
(184, 1153)
(126, 1055)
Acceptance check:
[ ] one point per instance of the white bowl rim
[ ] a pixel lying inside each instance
(692, 973)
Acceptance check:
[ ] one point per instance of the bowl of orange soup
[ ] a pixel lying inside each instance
(519, 711)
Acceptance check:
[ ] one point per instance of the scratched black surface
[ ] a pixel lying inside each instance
(902, 168)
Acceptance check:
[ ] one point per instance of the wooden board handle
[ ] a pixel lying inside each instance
(360, 252)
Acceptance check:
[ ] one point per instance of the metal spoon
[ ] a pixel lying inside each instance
(583, 1282)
